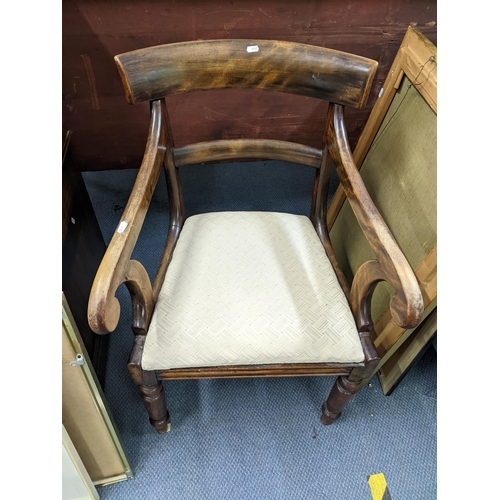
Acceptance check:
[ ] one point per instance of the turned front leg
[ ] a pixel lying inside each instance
(347, 386)
(342, 391)
(153, 397)
(151, 388)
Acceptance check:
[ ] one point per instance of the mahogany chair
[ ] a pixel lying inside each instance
(249, 294)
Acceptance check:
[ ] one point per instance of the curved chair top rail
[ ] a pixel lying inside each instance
(296, 68)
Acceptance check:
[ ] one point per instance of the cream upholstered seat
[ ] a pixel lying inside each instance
(250, 288)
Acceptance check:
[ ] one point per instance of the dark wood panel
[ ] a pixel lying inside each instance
(82, 250)
(111, 134)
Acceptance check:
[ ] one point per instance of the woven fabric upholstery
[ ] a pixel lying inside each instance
(247, 288)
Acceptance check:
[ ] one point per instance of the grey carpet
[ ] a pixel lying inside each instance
(258, 438)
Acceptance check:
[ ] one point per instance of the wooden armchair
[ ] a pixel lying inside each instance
(249, 294)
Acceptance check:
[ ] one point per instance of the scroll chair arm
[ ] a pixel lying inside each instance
(406, 305)
(117, 267)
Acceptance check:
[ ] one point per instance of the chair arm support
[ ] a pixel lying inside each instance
(116, 267)
(390, 265)
(406, 310)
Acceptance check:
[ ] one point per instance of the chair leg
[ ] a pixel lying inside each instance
(151, 388)
(346, 386)
(342, 391)
(153, 397)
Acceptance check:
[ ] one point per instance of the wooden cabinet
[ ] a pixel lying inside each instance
(82, 250)
(397, 158)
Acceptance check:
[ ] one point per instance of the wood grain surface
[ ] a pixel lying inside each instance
(295, 68)
(106, 129)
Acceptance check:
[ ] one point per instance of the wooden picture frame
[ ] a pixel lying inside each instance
(86, 415)
(416, 62)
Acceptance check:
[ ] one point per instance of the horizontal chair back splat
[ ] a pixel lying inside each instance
(295, 68)
(249, 294)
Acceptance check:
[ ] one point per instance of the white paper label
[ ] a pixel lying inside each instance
(253, 48)
(123, 225)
